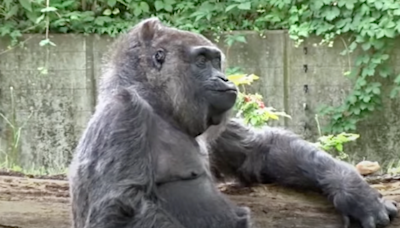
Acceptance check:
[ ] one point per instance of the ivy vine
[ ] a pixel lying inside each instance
(372, 26)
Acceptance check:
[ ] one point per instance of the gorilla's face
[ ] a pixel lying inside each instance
(180, 73)
(219, 93)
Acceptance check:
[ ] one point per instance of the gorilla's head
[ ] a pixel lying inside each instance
(179, 73)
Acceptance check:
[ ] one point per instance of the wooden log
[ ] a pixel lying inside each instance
(43, 203)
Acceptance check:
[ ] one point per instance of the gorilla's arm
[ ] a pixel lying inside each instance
(119, 186)
(275, 155)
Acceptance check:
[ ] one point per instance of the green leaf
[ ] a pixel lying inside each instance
(362, 59)
(253, 121)
(26, 4)
(356, 111)
(385, 56)
(364, 106)
(366, 46)
(332, 13)
(39, 19)
(366, 99)
(66, 4)
(48, 9)
(376, 90)
(115, 11)
(43, 42)
(230, 7)
(169, 2)
(12, 12)
(46, 42)
(352, 99)
(107, 12)
(159, 5)
(137, 11)
(244, 6)
(32, 16)
(368, 71)
(380, 33)
(352, 46)
(397, 80)
(394, 92)
(378, 44)
(350, 4)
(396, 12)
(365, 9)
(390, 33)
(385, 71)
(361, 82)
(341, 3)
(378, 4)
(317, 5)
(168, 8)
(241, 39)
(341, 23)
(390, 24)
(339, 147)
(111, 3)
(145, 7)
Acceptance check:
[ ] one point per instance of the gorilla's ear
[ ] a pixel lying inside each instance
(148, 28)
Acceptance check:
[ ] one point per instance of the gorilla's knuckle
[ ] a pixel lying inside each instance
(383, 219)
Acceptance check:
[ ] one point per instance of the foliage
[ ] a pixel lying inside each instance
(250, 107)
(335, 142)
(372, 26)
(115, 16)
(12, 154)
(252, 110)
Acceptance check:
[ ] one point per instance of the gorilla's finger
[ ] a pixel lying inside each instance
(346, 221)
(368, 222)
(242, 211)
(391, 208)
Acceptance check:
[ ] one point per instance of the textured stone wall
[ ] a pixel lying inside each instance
(60, 103)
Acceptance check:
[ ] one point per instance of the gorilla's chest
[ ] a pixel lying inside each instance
(179, 157)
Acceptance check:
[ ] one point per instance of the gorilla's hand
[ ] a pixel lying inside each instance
(367, 206)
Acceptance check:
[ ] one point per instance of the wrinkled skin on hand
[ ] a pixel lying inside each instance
(379, 213)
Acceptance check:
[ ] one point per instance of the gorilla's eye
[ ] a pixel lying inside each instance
(201, 61)
(217, 62)
(159, 56)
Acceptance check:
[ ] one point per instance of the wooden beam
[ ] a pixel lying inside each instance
(36, 203)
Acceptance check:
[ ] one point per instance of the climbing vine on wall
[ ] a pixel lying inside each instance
(371, 25)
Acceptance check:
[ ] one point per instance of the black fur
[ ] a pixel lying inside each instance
(143, 161)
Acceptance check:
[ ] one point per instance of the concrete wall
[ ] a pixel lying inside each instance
(62, 101)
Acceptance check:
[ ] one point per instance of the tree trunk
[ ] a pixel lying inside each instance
(43, 203)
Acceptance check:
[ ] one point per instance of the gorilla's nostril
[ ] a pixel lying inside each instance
(223, 78)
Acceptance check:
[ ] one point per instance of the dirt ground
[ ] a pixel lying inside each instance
(43, 202)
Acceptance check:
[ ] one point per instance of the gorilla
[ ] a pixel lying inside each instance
(162, 124)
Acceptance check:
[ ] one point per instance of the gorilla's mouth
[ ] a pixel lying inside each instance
(228, 90)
